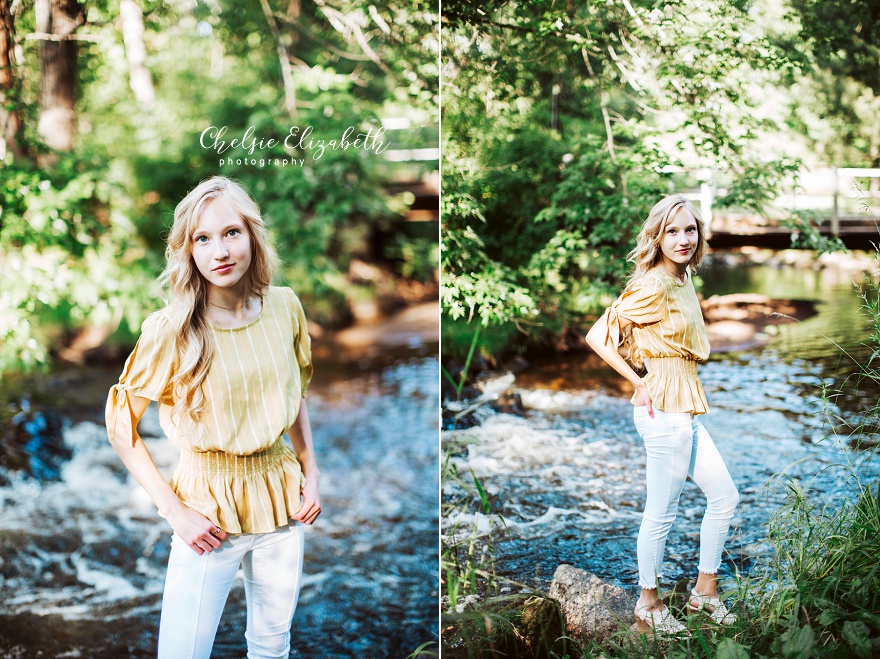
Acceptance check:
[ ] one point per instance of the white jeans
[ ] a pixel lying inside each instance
(678, 446)
(196, 588)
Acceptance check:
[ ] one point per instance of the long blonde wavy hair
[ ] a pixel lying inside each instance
(187, 291)
(647, 254)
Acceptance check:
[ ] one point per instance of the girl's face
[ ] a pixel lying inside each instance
(679, 240)
(221, 244)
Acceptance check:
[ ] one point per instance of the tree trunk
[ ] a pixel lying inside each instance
(283, 59)
(133, 36)
(58, 69)
(10, 121)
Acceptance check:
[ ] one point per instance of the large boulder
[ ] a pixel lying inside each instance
(592, 609)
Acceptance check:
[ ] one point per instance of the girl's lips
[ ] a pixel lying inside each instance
(223, 269)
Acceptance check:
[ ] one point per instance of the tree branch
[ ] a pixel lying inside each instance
(344, 25)
(603, 97)
(45, 36)
(284, 59)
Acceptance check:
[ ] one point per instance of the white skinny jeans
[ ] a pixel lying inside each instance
(196, 588)
(678, 446)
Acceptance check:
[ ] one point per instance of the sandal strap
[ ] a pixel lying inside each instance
(712, 605)
(661, 621)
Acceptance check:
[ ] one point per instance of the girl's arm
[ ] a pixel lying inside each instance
(194, 529)
(596, 339)
(300, 434)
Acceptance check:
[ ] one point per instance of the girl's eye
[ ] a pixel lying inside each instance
(201, 239)
(233, 232)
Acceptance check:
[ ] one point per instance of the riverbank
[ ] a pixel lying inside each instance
(796, 276)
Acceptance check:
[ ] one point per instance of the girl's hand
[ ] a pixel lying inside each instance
(197, 531)
(645, 397)
(311, 503)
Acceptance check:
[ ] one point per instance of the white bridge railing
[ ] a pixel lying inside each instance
(827, 190)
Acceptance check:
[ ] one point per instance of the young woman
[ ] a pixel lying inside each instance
(228, 360)
(659, 320)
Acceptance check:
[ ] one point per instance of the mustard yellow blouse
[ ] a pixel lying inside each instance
(668, 331)
(237, 471)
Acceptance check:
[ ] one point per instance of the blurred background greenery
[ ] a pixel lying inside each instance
(103, 105)
(563, 123)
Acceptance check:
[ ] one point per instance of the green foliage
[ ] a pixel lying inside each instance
(515, 626)
(85, 231)
(497, 342)
(805, 233)
(417, 258)
(843, 38)
(562, 127)
(472, 281)
(65, 263)
(467, 560)
(820, 585)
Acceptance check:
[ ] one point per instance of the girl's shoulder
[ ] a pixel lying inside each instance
(650, 282)
(285, 294)
(158, 336)
(289, 301)
(158, 322)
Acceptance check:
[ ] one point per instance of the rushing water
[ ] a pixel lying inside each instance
(568, 475)
(83, 557)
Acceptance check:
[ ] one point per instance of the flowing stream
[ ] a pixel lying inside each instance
(83, 556)
(567, 475)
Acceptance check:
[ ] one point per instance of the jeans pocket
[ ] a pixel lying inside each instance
(641, 419)
(654, 428)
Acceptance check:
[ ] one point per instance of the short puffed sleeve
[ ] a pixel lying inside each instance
(642, 303)
(147, 373)
(302, 343)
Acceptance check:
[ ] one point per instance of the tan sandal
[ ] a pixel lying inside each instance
(660, 622)
(712, 606)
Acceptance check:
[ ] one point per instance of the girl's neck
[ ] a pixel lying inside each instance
(677, 270)
(230, 304)
(233, 298)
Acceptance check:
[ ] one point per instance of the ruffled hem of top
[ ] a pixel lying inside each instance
(241, 500)
(675, 393)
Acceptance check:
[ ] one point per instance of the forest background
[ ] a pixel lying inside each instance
(104, 103)
(563, 123)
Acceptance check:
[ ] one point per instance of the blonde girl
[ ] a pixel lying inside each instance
(228, 360)
(658, 319)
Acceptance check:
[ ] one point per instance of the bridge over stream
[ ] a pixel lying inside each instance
(842, 201)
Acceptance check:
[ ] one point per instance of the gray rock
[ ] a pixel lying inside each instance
(592, 609)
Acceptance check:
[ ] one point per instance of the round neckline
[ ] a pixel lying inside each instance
(246, 325)
(671, 276)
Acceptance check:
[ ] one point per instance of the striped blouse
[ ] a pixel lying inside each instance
(668, 331)
(236, 470)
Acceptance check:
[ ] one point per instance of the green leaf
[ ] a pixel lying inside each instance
(483, 497)
(799, 643)
(422, 651)
(857, 636)
(730, 649)
(828, 617)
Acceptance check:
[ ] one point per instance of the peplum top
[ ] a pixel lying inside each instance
(668, 331)
(238, 471)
